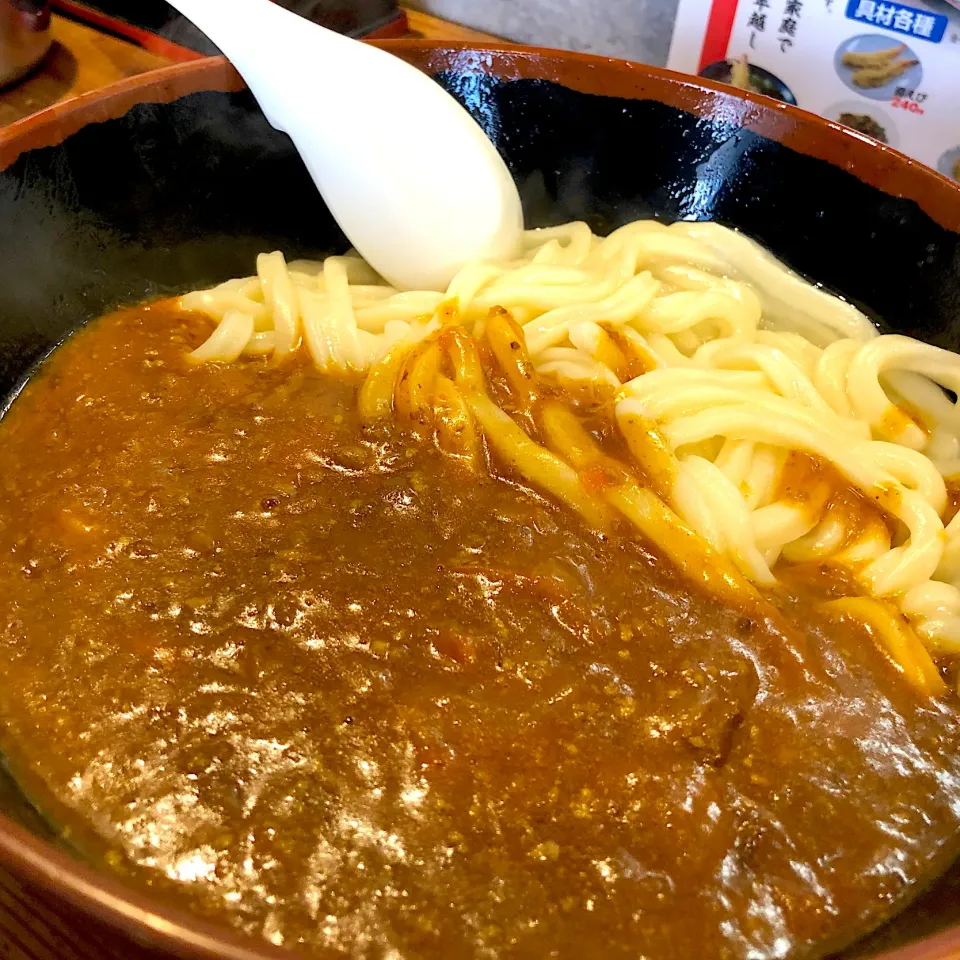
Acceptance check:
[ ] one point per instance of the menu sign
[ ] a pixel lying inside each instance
(889, 70)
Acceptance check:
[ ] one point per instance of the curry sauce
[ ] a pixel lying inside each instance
(310, 677)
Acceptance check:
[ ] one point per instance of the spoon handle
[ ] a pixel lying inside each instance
(271, 47)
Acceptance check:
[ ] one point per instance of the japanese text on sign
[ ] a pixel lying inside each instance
(895, 16)
(788, 24)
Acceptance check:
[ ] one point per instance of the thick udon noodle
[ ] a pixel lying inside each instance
(718, 365)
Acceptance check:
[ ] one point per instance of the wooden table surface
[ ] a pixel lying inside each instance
(83, 58)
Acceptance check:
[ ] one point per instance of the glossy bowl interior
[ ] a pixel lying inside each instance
(175, 180)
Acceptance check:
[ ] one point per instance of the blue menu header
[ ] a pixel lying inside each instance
(909, 21)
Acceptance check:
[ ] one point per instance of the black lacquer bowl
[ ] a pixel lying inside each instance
(174, 180)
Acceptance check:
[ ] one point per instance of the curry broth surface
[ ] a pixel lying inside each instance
(311, 678)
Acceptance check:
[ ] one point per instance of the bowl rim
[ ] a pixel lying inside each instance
(138, 914)
(879, 165)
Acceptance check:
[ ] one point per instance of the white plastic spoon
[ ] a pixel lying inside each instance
(408, 174)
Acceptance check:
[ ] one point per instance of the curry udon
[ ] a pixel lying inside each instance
(604, 604)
